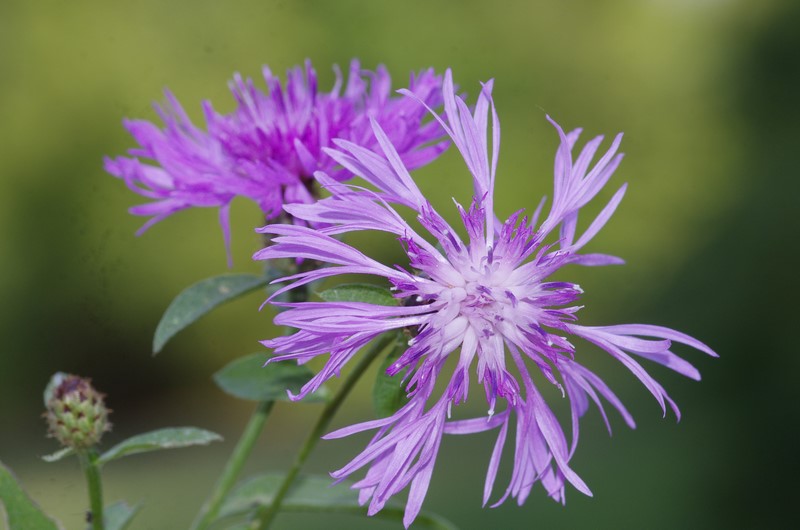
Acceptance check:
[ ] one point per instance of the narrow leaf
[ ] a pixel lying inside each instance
(17, 510)
(316, 494)
(119, 515)
(388, 393)
(248, 378)
(359, 292)
(169, 438)
(58, 455)
(199, 299)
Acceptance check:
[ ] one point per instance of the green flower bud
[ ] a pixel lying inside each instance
(76, 414)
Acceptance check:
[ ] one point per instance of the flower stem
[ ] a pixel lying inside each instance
(266, 514)
(88, 461)
(234, 466)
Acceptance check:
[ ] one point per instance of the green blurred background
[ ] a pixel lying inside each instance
(706, 92)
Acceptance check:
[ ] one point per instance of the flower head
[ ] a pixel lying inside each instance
(484, 300)
(76, 413)
(269, 148)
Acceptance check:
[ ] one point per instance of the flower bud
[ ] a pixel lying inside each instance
(76, 414)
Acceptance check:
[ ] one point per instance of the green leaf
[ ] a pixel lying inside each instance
(248, 378)
(170, 438)
(308, 491)
(58, 455)
(388, 393)
(17, 510)
(119, 515)
(315, 494)
(200, 298)
(359, 292)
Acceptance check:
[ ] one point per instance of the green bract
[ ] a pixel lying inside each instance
(359, 292)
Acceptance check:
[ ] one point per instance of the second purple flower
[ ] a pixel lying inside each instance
(269, 148)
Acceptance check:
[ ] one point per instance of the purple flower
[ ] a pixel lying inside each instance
(269, 148)
(485, 300)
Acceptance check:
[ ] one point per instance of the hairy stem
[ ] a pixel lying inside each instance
(234, 466)
(266, 514)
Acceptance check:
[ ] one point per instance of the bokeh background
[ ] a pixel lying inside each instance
(706, 92)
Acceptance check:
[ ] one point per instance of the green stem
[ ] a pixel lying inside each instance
(266, 514)
(234, 466)
(88, 460)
